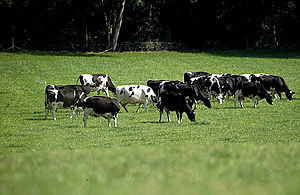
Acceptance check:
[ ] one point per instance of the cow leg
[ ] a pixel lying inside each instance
(115, 116)
(124, 106)
(109, 119)
(146, 105)
(86, 115)
(168, 115)
(106, 92)
(235, 100)
(160, 115)
(220, 97)
(240, 100)
(72, 112)
(178, 117)
(236, 97)
(53, 111)
(138, 108)
(254, 100)
(46, 113)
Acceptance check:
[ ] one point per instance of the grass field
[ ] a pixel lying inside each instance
(227, 151)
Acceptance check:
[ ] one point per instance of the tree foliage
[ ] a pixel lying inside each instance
(215, 24)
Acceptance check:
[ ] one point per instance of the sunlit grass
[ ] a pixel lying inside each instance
(227, 150)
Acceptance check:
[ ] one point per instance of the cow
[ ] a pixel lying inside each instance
(98, 82)
(254, 91)
(191, 93)
(135, 94)
(231, 83)
(209, 85)
(189, 75)
(274, 84)
(100, 106)
(64, 96)
(173, 101)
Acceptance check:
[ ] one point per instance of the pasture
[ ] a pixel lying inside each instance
(226, 151)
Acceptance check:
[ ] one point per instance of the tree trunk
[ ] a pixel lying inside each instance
(117, 28)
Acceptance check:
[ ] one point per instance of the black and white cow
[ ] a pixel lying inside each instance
(275, 84)
(189, 75)
(231, 83)
(135, 94)
(209, 85)
(98, 82)
(172, 101)
(64, 96)
(254, 91)
(100, 106)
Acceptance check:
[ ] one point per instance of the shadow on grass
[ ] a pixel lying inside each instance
(293, 53)
(63, 53)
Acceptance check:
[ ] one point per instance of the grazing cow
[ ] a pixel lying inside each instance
(172, 101)
(189, 75)
(135, 94)
(208, 85)
(98, 82)
(254, 91)
(272, 83)
(100, 106)
(64, 96)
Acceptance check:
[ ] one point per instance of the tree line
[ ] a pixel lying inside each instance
(198, 24)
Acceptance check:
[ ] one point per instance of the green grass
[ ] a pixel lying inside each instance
(227, 151)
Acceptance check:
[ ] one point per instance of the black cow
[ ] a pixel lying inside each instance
(275, 84)
(100, 106)
(254, 91)
(188, 75)
(172, 101)
(64, 96)
(191, 93)
(98, 82)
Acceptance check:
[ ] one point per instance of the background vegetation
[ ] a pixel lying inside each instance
(200, 24)
(227, 151)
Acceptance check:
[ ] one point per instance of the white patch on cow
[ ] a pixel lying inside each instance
(247, 76)
(162, 86)
(87, 79)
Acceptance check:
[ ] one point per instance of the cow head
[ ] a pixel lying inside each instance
(155, 101)
(206, 102)
(191, 115)
(269, 99)
(87, 88)
(289, 94)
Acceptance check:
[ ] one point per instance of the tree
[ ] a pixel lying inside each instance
(113, 14)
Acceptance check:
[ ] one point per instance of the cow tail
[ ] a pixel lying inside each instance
(77, 80)
(111, 86)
